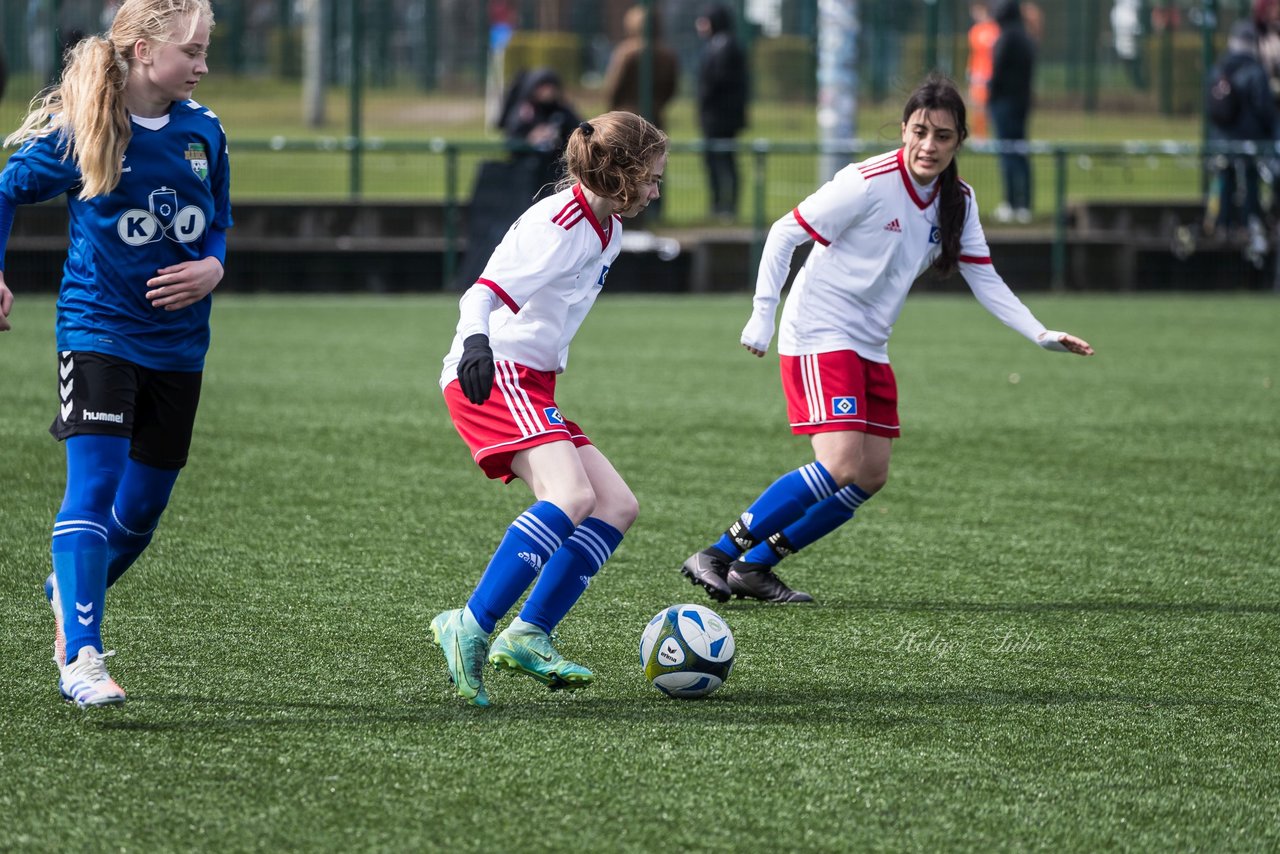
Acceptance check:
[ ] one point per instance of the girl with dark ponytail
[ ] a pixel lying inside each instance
(879, 225)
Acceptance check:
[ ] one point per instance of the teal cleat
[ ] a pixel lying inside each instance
(464, 655)
(529, 651)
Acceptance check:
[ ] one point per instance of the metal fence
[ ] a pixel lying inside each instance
(779, 175)
(1089, 56)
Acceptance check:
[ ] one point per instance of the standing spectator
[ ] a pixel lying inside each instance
(1033, 20)
(1241, 108)
(1266, 21)
(622, 79)
(722, 105)
(982, 42)
(1009, 104)
(1126, 29)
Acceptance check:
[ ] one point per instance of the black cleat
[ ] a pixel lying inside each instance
(758, 581)
(709, 568)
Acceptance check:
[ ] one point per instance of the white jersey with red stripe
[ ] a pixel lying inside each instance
(539, 284)
(875, 231)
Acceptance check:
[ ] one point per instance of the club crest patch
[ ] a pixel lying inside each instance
(935, 235)
(198, 159)
(843, 407)
(553, 416)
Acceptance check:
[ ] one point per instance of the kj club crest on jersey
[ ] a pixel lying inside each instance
(198, 159)
(164, 218)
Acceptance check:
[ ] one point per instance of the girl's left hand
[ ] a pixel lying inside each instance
(184, 284)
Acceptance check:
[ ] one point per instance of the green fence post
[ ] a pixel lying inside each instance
(1058, 275)
(450, 212)
(431, 12)
(357, 85)
(930, 35)
(1209, 26)
(1092, 31)
(759, 160)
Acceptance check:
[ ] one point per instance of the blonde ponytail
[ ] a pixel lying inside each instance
(86, 108)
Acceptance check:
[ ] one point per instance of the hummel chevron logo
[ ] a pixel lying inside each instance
(85, 609)
(65, 389)
(66, 410)
(66, 368)
(893, 226)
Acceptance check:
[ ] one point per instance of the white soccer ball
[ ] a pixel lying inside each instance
(687, 651)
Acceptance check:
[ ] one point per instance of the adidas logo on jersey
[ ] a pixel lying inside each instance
(894, 226)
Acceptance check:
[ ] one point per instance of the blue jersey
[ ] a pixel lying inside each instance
(174, 189)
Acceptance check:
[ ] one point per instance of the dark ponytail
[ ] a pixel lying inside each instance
(937, 92)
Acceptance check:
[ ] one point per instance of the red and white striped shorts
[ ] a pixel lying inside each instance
(840, 391)
(521, 413)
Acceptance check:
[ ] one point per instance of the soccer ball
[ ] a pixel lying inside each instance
(687, 651)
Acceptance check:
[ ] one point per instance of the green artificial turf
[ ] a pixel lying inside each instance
(1055, 629)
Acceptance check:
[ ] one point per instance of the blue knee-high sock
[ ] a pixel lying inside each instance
(822, 518)
(785, 501)
(529, 543)
(79, 542)
(140, 500)
(568, 573)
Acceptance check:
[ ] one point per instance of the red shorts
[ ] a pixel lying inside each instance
(840, 391)
(520, 413)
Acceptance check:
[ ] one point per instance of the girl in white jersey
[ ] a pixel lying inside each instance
(877, 226)
(499, 383)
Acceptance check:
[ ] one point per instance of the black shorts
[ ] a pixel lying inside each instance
(107, 395)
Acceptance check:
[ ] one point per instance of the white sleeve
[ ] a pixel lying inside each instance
(836, 205)
(775, 264)
(986, 283)
(474, 309)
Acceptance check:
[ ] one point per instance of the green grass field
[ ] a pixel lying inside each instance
(1056, 628)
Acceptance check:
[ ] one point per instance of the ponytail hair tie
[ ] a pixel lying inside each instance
(586, 128)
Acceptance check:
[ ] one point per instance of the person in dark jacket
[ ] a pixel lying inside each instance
(541, 117)
(1241, 80)
(1009, 106)
(722, 105)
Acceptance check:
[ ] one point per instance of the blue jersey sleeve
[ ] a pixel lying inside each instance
(39, 171)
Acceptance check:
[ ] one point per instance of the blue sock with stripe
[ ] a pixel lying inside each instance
(79, 542)
(822, 518)
(140, 500)
(568, 573)
(785, 501)
(80, 565)
(530, 541)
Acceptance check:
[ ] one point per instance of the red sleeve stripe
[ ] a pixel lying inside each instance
(818, 237)
(974, 259)
(570, 220)
(889, 159)
(567, 209)
(502, 295)
(884, 170)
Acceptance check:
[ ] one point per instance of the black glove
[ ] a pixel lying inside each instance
(475, 368)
